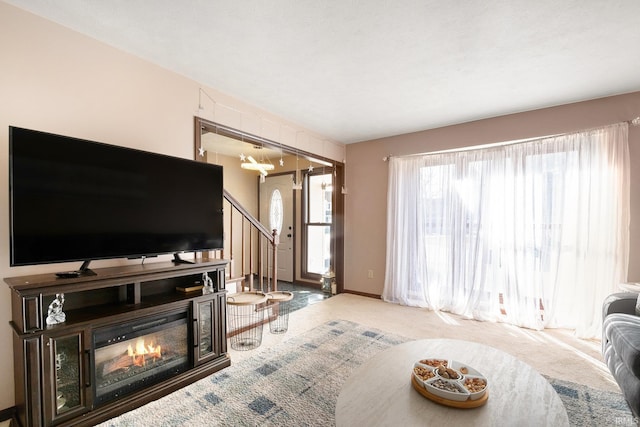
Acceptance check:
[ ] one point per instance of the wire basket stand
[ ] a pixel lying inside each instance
(278, 304)
(246, 317)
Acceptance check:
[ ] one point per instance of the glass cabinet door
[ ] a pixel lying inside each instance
(64, 372)
(205, 319)
(205, 314)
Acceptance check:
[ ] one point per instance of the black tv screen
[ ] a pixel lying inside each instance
(78, 200)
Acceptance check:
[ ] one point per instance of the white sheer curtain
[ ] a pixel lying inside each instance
(534, 234)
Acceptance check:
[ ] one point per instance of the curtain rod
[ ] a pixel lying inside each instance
(632, 122)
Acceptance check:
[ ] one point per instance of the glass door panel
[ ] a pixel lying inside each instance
(64, 370)
(206, 312)
(205, 316)
(66, 355)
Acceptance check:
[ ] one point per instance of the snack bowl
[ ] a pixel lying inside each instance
(476, 386)
(434, 362)
(448, 373)
(447, 389)
(423, 373)
(463, 368)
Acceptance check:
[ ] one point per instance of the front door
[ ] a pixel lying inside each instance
(276, 212)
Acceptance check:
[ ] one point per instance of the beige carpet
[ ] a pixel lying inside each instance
(554, 352)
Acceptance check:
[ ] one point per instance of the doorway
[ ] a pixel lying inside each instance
(231, 148)
(277, 209)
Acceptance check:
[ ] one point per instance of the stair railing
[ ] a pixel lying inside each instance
(258, 270)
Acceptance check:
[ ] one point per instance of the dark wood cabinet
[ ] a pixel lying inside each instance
(59, 367)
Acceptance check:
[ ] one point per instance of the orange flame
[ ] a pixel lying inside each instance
(143, 351)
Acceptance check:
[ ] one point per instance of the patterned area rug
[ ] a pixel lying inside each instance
(592, 407)
(298, 382)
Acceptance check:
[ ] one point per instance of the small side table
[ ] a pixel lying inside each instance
(278, 303)
(245, 315)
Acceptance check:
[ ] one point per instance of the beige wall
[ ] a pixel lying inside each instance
(243, 186)
(55, 80)
(366, 203)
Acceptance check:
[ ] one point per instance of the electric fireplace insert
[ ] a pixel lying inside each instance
(137, 354)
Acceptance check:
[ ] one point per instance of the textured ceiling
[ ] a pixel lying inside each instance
(355, 70)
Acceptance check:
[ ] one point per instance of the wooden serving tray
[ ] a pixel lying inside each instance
(466, 404)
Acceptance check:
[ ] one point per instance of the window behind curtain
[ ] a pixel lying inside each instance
(534, 234)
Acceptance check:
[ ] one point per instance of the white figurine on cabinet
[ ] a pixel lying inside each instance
(208, 284)
(55, 315)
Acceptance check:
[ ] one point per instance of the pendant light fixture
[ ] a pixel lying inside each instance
(297, 182)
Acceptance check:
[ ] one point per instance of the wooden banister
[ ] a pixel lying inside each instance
(257, 224)
(267, 261)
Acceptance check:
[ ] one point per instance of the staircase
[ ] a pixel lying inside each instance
(252, 253)
(250, 248)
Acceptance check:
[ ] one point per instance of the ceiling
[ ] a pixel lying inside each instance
(355, 70)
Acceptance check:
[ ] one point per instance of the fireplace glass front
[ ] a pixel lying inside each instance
(131, 356)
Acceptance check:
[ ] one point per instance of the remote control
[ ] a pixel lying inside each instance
(68, 274)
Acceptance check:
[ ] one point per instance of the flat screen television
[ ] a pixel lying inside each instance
(79, 200)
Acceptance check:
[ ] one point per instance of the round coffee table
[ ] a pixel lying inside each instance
(380, 392)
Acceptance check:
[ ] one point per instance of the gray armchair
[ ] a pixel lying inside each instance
(621, 345)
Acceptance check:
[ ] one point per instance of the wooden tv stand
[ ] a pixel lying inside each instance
(112, 297)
